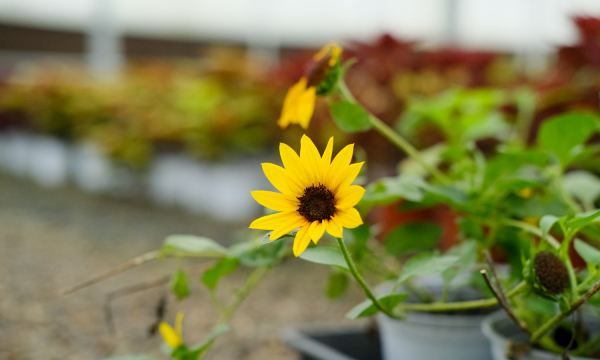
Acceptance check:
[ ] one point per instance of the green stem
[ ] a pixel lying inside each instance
(461, 305)
(554, 321)
(242, 293)
(361, 281)
(532, 230)
(395, 138)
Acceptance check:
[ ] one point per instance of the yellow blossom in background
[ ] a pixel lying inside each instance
(299, 103)
(173, 336)
(315, 195)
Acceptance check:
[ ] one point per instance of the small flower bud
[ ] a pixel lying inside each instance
(551, 273)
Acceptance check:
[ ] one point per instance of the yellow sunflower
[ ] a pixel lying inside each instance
(173, 336)
(315, 195)
(299, 103)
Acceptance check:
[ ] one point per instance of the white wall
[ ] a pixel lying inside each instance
(506, 24)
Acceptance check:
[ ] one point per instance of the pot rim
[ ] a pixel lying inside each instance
(489, 331)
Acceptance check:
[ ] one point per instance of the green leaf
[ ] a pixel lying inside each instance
(350, 117)
(546, 224)
(427, 264)
(367, 308)
(179, 285)
(190, 245)
(581, 220)
(221, 268)
(466, 253)
(590, 254)
(266, 254)
(583, 185)
(336, 285)
(413, 237)
(325, 255)
(562, 134)
(388, 190)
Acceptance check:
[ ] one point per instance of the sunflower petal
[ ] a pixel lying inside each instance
(288, 111)
(301, 241)
(170, 335)
(311, 159)
(316, 230)
(326, 158)
(345, 177)
(334, 229)
(339, 164)
(292, 223)
(274, 200)
(281, 180)
(348, 218)
(293, 165)
(272, 221)
(306, 106)
(349, 196)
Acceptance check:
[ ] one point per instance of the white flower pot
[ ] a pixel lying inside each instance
(48, 161)
(501, 331)
(429, 336)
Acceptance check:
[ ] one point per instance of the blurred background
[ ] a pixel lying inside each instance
(124, 121)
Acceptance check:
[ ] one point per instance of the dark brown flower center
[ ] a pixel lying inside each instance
(551, 272)
(317, 203)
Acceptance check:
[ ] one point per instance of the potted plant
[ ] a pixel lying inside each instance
(429, 303)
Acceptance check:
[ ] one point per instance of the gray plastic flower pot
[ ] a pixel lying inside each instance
(426, 336)
(356, 343)
(504, 335)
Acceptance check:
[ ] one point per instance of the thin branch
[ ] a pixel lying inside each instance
(136, 261)
(502, 301)
(126, 291)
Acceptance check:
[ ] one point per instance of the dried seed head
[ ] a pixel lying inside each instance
(551, 272)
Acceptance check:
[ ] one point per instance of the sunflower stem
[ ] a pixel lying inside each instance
(395, 138)
(361, 281)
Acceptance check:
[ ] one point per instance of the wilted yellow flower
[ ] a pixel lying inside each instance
(299, 103)
(315, 194)
(173, 336)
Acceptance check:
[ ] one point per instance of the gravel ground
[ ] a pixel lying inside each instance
(50, 239)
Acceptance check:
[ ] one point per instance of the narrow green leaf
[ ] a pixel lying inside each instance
(579, 221)
(179, 285)
(223, 267)
(413, 237)
(336, 285)
(367, 308)
(590, 254)
(325, 255)
(190, 245)
(350, 117)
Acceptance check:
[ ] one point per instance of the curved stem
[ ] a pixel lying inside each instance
(461, 305)
(532, 230)
(395, 138)
(554, 321)
(361, 281)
